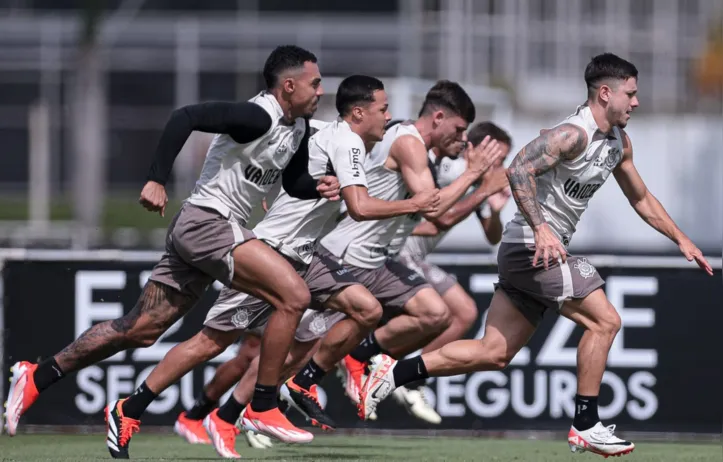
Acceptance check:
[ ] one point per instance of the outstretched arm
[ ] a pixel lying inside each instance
(647, 206)
(564, 142)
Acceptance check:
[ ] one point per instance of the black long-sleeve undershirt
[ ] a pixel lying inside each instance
(244, 122)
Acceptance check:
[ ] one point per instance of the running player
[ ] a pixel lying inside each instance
(552, 180)
(487, 203)
(398, 167)
(292, 227)
(206, 240)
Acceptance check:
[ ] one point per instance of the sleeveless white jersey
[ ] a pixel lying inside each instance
(236, 177)
(564, 191)
(293, 226)
(448, 169)
(365, 243)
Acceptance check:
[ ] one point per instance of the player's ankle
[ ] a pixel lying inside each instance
(586, 413)
(230, 411)
(264, 398)
(409, 370)
(47, 373)
(310, 375)
(138, 402)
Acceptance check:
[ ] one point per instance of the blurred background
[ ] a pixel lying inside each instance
(86, 87)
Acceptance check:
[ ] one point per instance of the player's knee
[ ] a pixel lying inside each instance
(609, 323)
(296, 300)
(436, 318)
(368, 312)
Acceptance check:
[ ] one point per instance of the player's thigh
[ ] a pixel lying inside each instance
(262, 272)
(593, 312)
(506, 329)
(461, 306)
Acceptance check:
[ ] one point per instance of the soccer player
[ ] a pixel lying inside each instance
(486, 201)
(398, 167)
(292, 227)
(207, 240)
(552, 181)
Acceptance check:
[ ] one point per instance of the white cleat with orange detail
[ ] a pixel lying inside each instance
(377, 387)
(599, 440)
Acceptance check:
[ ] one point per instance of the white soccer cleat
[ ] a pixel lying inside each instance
(599, 440)
(378, 386)
(416, 404)
(258, 441)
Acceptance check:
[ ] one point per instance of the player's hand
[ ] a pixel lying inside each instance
(483, 156)
(154, 198)
(329, 188)
(427, 201)
(691, 252)
(494, 181)
(498, 200)
(547, 247)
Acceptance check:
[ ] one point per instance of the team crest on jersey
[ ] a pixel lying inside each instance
(586, 269)
(612, 158)
(318, 324)
(241, 318)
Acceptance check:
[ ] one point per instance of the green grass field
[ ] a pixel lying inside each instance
(341, 448)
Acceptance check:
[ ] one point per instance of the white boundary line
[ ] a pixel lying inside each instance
(453, 259)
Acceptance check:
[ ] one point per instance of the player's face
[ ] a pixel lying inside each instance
(505, 152)
(376, 116)
(622, 100)
(450, 135)
(306, 90)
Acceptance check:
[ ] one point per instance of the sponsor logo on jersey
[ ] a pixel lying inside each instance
(262, 177)
(354, 158)
(577, 190)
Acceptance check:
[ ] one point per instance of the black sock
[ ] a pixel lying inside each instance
(585, 412)
(264, 398)
(47, 373)
(310, 375)
(136, 404)
(409, 370)
(202, 407)
(366, 349)
(231, 410)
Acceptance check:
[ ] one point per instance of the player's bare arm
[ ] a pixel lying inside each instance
(650, 209)
(564, 142)
(409, 156)
(425, 228)
(361, 206)
(492, 182)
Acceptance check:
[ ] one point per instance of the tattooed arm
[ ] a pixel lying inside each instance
(564, 142)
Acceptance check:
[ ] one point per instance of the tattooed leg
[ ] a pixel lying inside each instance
(158, 307)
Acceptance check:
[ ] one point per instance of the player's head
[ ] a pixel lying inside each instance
(292, 73)
(612, 82)
(450, 110)
(480, 130)
(362, 101)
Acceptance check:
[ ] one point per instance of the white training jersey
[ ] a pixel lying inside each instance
(293, 226)
(365, 243)
(447, 170)
(236, 177)
(564, 191)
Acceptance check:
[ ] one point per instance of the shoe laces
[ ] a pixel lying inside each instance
(128, 428)
(605, 433)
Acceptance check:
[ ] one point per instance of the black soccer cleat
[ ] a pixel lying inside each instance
(120, 430)
(306, 402)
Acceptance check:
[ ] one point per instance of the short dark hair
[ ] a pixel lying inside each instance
(607, 66)
(283, 58)
(476, 134)
(355, 90)
(451, 96)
